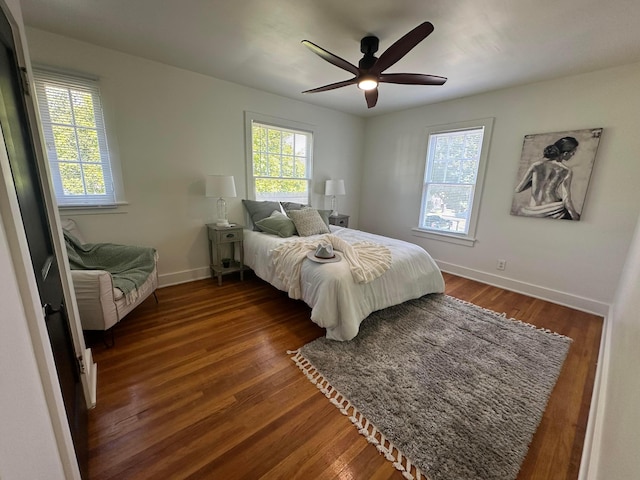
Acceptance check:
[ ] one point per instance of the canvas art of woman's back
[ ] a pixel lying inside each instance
(550, 183)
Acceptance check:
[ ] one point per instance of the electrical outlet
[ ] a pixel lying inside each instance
(502, 264)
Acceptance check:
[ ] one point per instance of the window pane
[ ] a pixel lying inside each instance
(259, 139)
(287, 143)
(301, 145)
(88, 145)
(474, 145)
(94, 179)
(59, 104)
(274, 139)
(301, 168)
(65, 143)
(274, 166)
(259, 164)
(83, 109)
(71, 177)
(288, 166)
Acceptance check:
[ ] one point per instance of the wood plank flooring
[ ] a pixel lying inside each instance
(199, 386)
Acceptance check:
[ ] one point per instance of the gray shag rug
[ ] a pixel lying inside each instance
(443, 388)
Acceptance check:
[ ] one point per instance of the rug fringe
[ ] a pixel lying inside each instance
(364, 426)
(515, 320)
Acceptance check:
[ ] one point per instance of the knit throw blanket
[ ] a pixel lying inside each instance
(367, 261)
(129, 266)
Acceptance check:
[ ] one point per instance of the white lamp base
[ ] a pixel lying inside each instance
(334, 209)
(222, 213)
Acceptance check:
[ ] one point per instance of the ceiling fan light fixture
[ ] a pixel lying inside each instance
(367, 83)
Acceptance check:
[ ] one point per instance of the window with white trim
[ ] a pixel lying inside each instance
(76, 140)
(454, 174)
(280, 159)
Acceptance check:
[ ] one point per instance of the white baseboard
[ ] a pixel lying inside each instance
(590, 460)
(536, 291)
(176, 278)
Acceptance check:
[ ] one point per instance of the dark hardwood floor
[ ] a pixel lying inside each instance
(200, 386)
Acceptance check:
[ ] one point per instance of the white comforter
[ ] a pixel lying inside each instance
(337, 302)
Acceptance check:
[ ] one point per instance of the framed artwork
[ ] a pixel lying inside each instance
(554, 173)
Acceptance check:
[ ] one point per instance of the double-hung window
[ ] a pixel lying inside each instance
(454, 172)
(279, 159)
(75, 138)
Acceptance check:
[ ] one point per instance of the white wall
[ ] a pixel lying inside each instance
(173, 127)
(576, 263)
(618, 443)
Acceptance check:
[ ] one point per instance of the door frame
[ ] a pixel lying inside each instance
(26, 282)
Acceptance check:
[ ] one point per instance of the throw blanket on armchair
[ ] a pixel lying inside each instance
(366, 260)
(129, 266)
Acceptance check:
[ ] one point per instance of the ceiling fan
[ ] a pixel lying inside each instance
(369, 72)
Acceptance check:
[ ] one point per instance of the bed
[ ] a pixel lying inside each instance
(337, 302)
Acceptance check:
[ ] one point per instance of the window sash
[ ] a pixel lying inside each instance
(80, 131)
(454, 171)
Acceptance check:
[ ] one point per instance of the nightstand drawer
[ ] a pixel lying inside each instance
(340, 220)
(229, 236)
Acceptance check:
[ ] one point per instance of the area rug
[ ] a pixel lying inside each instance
(443, 388)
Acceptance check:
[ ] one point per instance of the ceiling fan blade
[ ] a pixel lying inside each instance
(399, 49)
(372, 97)
(332, 86)
(412, 79)
(331, 58)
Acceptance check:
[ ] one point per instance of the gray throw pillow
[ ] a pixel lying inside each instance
(277, 224)
(293, 206)
(324, 214)
(308, 222)
(259, 209)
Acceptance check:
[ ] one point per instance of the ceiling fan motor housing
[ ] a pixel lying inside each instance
(368, 46)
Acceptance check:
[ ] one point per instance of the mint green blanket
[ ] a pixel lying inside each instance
(130, 266)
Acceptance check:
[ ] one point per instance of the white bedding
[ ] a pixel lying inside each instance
(337, 302)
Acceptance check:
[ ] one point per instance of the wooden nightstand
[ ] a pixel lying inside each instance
(340, 220)
(224, 241)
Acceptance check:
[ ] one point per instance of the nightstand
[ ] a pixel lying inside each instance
(223, 242)
(340, 220)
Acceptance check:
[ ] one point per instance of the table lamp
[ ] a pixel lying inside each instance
(221, 186)
(333, 188)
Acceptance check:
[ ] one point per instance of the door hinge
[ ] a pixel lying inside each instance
(81, 366)
(25, 81)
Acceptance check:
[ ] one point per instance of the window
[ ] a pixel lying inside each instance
(454, 171)
(280, 155)
(75, 138)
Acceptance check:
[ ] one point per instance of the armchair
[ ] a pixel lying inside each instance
(101, 304)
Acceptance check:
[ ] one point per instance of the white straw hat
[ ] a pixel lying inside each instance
(324, 254)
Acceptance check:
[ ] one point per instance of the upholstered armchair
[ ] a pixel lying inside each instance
(101, 303)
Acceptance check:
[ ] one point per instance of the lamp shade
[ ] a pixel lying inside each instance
(220, 186)
(334, 187)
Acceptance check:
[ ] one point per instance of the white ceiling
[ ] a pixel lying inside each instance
(480, 45)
